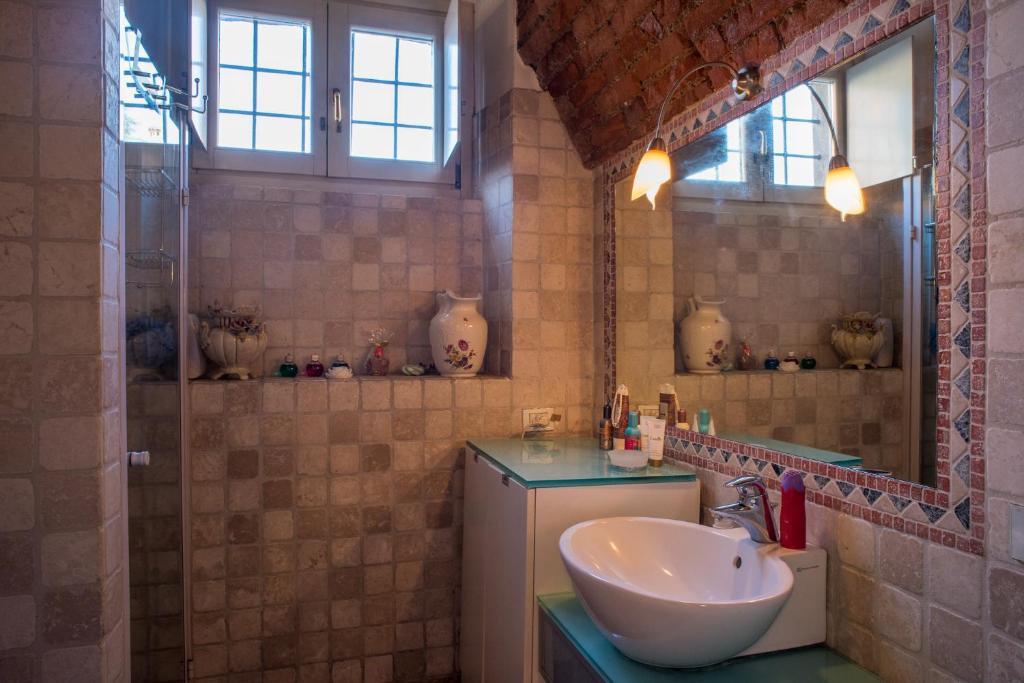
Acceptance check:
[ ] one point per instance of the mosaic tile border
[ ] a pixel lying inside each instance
(952, 513)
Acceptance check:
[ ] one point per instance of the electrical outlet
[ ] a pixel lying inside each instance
(538, 420)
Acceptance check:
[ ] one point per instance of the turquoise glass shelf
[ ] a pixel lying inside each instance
(828, 457)
(573, 461)
(815, 664)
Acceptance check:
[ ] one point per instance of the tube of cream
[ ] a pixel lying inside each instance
(655, 443)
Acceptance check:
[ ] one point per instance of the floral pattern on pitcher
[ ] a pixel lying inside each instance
(716, 354)
(459, 355)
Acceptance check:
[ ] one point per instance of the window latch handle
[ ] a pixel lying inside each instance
(336, 97)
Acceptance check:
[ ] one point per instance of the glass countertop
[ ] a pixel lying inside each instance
(815, 664)
(571, 461)
(799, 450)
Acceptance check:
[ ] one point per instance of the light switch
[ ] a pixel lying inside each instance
(1017, 532)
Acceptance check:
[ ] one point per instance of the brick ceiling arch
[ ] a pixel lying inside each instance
(609, 63)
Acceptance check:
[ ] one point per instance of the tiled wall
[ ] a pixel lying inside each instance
(327, 514)
(62, 576)
(326, 267)
(844, 411)
(787, 272)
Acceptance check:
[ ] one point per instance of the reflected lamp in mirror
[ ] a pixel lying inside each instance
(842, 189)
(655, 169)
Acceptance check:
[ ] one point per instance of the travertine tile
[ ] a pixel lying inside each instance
(855, 540)
(1006, 598)
(955, 579)
(18, 627)
(956, 644)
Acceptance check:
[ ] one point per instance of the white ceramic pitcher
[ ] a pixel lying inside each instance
(458, 335)
(704, 336)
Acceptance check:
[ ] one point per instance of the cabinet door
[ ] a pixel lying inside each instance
(508, 639)
(474, 571)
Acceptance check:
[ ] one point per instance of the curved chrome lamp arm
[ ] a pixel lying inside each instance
(828, 119)
(746, 83)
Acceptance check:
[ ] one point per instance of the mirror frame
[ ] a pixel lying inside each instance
(952, 513)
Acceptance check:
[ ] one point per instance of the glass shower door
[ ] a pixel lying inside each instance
(153, 220)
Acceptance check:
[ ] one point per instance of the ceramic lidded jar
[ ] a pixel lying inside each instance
(704, 337)
(458, 335)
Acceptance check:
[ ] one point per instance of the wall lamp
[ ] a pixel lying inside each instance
(842, 189)
(655, 168)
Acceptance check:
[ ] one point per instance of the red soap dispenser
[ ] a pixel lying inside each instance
(793, 518)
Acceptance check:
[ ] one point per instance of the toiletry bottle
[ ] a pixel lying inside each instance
(288, 367)
(606, 431)
(620, 416)
(808, 362)
(793, 517)
(632, 441)
(703, 421)
(771, 361)
(681, 422)
(668, 403)
(314, 368)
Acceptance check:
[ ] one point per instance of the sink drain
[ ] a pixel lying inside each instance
(737, 562)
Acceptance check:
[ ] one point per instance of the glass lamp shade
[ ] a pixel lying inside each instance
(842, 189)
(653, 171)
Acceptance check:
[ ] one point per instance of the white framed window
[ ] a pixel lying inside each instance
(335, 88)
(267, 65)
(385, 68)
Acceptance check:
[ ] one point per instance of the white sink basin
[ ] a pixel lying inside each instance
(675, 594)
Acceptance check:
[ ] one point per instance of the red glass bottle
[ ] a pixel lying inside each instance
(793, 517)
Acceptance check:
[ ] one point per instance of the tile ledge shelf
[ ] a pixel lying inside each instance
(356, 379)
(762, 371)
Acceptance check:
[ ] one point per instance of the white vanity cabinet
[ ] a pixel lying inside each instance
(519, 498)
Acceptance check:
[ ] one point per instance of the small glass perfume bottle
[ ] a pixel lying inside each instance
(314, 368)
(808, 362)
(288, 367)
(771, 361)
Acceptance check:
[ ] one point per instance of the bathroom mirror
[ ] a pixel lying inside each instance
(744, 235)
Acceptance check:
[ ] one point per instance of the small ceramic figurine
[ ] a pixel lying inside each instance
(314, 368)
(771, 361)
(808, 362)
(790, 363)
(746, 360)
(339, 369)
(288, 367)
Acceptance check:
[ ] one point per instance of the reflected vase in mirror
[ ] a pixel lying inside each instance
(704, 336)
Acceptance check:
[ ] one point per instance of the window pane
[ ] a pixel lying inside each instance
(234, 130)
(373, 56)
(281, 46)
(415, 144)
(141, 124)
(798, 103)
(279, 93)
(236, 40)
(377, 142)
(799, 137)
(416, 61)
(415, 105)
(373, 102)
(278, 134)
(779, 170)
(732, 135)
(732, 170)
(777, 107)
(801, 171)
(235, 89)
(778, 136)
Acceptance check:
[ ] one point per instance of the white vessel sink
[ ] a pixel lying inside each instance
(675, 594)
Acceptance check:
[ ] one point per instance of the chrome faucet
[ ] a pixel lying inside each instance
(752, 511)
